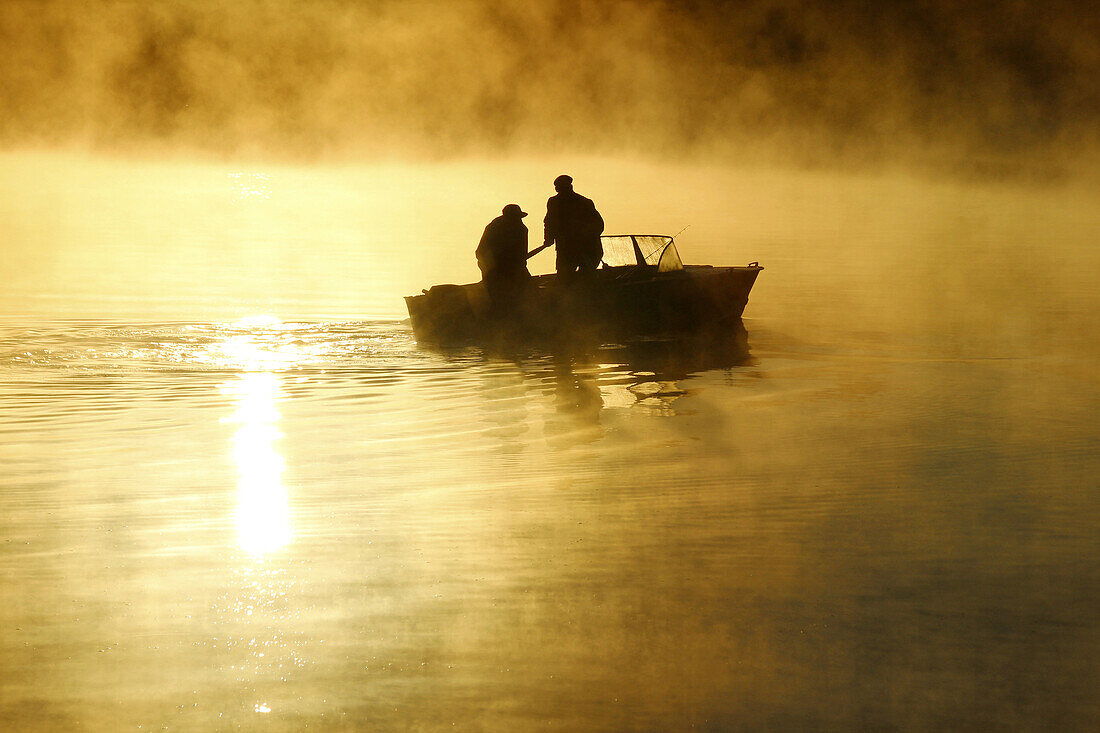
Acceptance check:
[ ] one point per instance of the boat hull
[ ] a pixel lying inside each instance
(622, 303)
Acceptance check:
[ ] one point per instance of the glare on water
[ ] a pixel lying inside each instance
(263, 519)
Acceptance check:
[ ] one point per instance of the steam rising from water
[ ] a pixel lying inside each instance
(986, 87)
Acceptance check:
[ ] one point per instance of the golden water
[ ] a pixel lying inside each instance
(235, 493)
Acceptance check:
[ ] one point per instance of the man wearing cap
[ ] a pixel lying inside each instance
(574, 226)
(502, 256)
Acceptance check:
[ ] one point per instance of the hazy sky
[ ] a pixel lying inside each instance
(985, 86)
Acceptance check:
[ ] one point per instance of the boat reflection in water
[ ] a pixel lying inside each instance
(582, 378)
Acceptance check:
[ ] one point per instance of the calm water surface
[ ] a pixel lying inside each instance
(882, 516)
(280, 525)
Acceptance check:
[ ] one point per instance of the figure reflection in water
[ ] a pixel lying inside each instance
(502, 258)
(577, 402)
(574, 226)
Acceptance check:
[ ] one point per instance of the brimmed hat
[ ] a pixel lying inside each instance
(513, 210)
(563, 179)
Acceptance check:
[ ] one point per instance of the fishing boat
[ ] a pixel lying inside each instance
(641, 289)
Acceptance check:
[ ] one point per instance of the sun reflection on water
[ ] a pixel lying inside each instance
(256, 611)
(263, 517)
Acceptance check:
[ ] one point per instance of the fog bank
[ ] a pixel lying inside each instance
(984, 88)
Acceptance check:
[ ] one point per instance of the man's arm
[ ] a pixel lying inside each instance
(538, 249)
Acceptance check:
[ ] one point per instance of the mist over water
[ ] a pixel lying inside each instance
(982, 88)
(235, 493)
(93, 235)
(234, 500)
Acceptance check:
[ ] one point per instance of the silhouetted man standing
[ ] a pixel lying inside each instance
(574, 226)
(502, 256)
